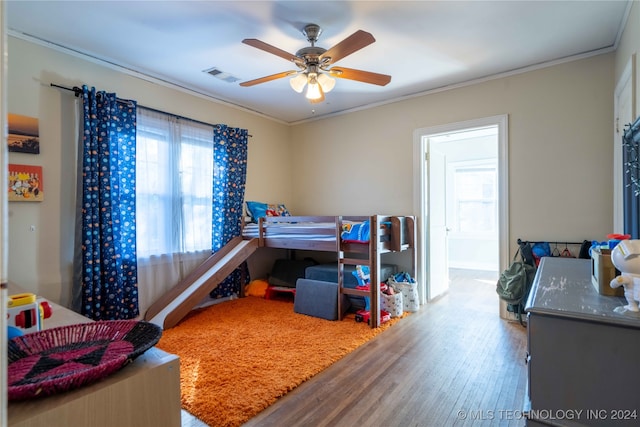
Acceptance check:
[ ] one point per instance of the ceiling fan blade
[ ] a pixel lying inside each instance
(359, 75)
(270, 49)
(267, 78)
(354, 42)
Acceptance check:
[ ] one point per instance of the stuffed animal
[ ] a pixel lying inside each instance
(626, 258)
(256, 288)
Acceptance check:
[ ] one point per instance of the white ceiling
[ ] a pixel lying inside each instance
(423, 45)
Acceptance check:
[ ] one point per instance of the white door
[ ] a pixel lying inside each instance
(430, 201)
(437, 252)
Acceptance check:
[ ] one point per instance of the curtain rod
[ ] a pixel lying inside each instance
(77, 91)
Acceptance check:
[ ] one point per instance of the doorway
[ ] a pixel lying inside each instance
(461, 197)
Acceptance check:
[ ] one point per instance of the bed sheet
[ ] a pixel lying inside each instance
(293, 231)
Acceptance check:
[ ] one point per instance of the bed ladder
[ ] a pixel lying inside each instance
(372, 261)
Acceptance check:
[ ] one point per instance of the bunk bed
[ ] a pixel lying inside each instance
(323, 233)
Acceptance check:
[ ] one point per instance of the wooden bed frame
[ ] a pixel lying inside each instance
(322, 233)
(315, 233)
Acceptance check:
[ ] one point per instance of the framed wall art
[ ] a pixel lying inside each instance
(25, 183)
(23, 136)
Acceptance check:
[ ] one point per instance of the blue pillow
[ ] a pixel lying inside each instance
(257, 210)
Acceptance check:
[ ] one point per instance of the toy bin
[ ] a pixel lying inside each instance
(392, 304)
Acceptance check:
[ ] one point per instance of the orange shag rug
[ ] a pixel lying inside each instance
(240, 356)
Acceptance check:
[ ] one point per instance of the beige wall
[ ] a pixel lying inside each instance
(40, 261)
(560, 156)
(630, 45)
(560, 121)
(560, 146)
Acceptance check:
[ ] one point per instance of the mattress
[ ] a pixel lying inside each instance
(293, 231)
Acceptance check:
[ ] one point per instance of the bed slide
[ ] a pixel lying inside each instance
(169, 309)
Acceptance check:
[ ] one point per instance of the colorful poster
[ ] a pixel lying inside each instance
(25, 183)
(23, 134)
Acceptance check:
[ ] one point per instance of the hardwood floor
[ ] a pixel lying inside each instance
(453, 363)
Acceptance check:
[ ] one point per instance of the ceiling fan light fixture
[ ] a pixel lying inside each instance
(326, 82)
(313, 89)
(315, 64)
(298, 82)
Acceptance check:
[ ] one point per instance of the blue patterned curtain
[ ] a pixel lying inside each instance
(229, 178)
(109, 288)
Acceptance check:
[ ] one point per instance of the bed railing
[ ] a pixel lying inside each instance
(299, 232)
(394, 233)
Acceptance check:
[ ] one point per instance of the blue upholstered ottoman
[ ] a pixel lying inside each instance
(329, 273)
(317, 298)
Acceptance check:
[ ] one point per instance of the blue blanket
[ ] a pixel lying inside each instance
(355, 232)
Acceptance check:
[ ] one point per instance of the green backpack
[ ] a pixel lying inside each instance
(514, 284)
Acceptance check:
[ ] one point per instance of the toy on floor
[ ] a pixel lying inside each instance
(626, 258)
(364, 283)
(365, 316)
(256, 288)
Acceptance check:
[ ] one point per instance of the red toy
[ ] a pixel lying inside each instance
(364, 316)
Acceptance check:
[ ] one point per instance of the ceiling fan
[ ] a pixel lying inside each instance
(316, 64)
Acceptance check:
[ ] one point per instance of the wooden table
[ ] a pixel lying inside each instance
(143, 393)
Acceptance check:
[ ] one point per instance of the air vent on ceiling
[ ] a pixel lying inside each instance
(219, 74)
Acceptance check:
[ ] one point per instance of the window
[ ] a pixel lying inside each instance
(174, 184)
(475, 198)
